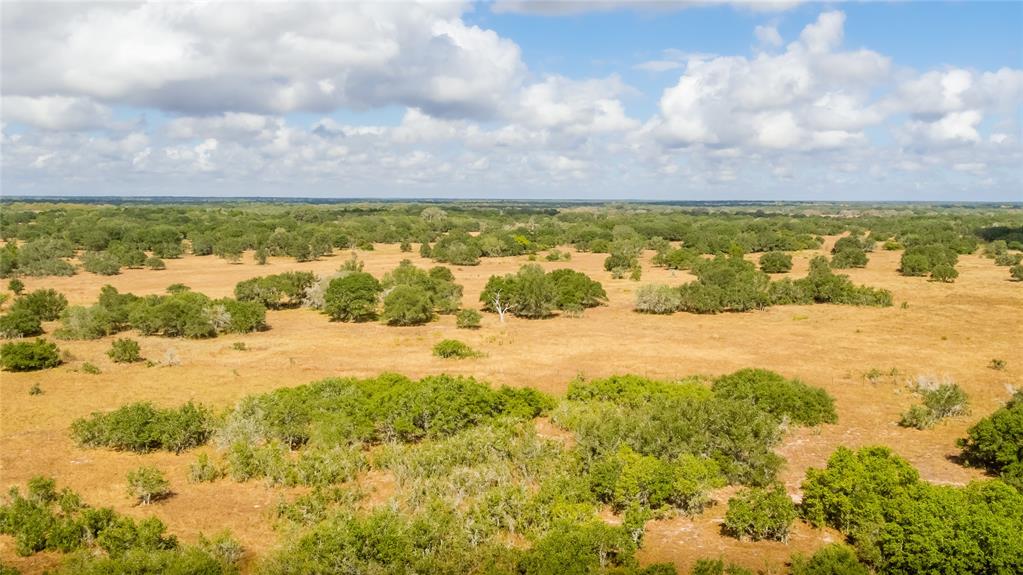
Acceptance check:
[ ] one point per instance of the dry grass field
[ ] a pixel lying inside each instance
(952, 330)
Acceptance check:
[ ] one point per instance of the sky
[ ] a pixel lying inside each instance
(641, 100)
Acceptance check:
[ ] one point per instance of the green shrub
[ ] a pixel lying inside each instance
(634, 390)
(147, 484)
(125, 350)
(944, 273)
(1016, 272)
(939, 401)
(834, 559)
(352, 297)
(46, 304)
(900, 524)
(19, 323)
(718, 567)
(78, 322)
(142, 428)
(760, 513)
(994, 442)
(155, 263)
(726, 283)
(533, 294)
(468, 319)
(16, 286)
(284, 290)
(90, 369)
(407, 305)
(204, 470)
(626, 478)
(434, 289)
(29, 355)
(775, 263)
(101, 263)
(452, 348)
(770, 392)
(657, 299)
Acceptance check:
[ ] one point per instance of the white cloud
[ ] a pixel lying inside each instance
(55, 112)
(768, 35)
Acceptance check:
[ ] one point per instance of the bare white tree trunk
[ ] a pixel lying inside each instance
(500, 308)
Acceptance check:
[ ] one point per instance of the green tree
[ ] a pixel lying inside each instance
(352, 297)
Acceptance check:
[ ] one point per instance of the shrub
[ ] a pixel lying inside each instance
(920, 260)
(1008, 260)
(718, 567)
(46, 304)
(580, 549)
(657, 299)
(770, 392)
(155, 263)
(994, 442)
(147, 484)
(279, 291)
(16, 286)
(101, 263)
(142, 428)
(997, 364)
(452, 348)
(90, 369)
(204, 470)
(468, 319)
(20, 323)
(78, 322)
(626, 478)
(760, 513)
(407, 305)
(939, 402)
(896, 521)
(1016, 272)
(775, 263)
(352, 297)
(533, 294)
(125, 350)
(725, 284)
(834, 559)
(944, 273)
(821, 285)
(29, 355)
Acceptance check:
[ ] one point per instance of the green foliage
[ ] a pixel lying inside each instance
(46, 304)
(407, 305)
(101, 263)
(352, 297)
(834, 559)
(850, 252)
(125, 350)
(184, 313)
(657, 299)
(718, 567)
(669, 421)
(436, 287)
(90, 369)
(581, 549)
(776, 263)
(726, 283)
(944, 272)
(29, 355)
(19, 323)
(771, 392)
(821, 285)
(902, 525)
(154, 263)
(468, 319)
(204, 470)
(677, 259)
(626, 478)
(1016, 272)
(939, 401)
(142, 428)
(996, 442)
(16, 286)
(147, 484)
(454, 349)
(760, 513)
(279, 291)
(532, 293)
(921, 260)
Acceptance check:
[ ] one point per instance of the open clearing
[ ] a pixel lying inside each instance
(950, 330)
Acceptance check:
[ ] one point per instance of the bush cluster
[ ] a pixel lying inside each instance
(776, 263)
(532, 293)
(412, 296)
(900, 524)
(760, 513)
(996, 442)
(284, 290)
(454, 349)
(850, 252)
(938, 402)
(784, 398)
(29, 355)
(141, 427)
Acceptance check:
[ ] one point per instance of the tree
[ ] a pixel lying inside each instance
(46, 304)
(147, 484)
(125, 350)
(944, 272)
(352, 297)
(775, 263)
(101, 263)
(657, 299)
(19, 322)
(760, 513)
(994, 442)
(29, 355)
(468, 319)
(407, 305)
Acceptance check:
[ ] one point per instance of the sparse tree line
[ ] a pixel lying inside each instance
(733, 284)
(106, 239)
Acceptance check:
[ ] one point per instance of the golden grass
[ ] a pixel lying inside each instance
(947, 330)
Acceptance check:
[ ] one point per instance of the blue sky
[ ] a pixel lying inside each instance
(615, 100)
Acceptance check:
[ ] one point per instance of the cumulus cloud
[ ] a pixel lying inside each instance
(55, 112)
